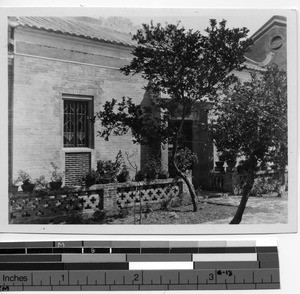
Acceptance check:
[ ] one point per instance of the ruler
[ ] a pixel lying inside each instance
(137, 265)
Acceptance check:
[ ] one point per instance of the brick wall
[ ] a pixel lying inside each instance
(44, 207)
(38, 108)
(76, 164)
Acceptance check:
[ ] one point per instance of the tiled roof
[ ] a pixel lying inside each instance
(250, 64)
(90, 30)
(74, 27)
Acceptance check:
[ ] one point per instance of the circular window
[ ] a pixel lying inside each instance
(276, 42)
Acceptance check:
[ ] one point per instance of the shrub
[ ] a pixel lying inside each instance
(185, 159)
(23, 177)
(140, 176)
(123, 176)
(163, 175)
(99, 216)
(108, 170)
(152, 169)
(55, 174)
(123, 212)
(264, 185)
(41, 182)
(76, 218)
(90, 178)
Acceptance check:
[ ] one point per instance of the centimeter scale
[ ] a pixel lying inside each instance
(137, 265)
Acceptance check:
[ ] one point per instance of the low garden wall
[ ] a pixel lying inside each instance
(45, 207)
(233, 182)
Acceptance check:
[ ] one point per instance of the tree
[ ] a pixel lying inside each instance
(251, 121)
(185, 65)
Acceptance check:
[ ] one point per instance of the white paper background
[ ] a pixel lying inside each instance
(289, 244)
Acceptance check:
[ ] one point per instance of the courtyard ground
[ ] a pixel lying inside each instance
(259, 210)
(213, 209)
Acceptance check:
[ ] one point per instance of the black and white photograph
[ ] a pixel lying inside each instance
(151, 120)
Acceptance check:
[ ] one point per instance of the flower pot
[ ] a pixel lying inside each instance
(105, 180)
(90, 182)
(54, 186)
(28, 187)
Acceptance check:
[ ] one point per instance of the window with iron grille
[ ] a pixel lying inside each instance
(78, 126)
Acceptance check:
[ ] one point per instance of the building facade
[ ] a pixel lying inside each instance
(62, 70)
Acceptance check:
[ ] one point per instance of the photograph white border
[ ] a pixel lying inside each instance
(200, 229)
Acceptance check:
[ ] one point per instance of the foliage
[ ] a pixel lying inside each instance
(187, 66)
(162, 175)
(24, 177)
(108, 170)
(185, 159)
(90, 178)
(251, 121)
(41, 182)
(264, 185)
(152, 169)
(75, 218)
(140, 176)
(118, 118)
(55, 174)
(123, 176)
(99, 217)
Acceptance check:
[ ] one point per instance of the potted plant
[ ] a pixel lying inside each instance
(90, 178)
(123, 176)
(24, 177)
(163, 175)
(107, 170)
(56, 177)
(41, 183)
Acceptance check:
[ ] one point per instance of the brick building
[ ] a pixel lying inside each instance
(62, 70)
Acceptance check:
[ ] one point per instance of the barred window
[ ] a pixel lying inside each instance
(78, 126)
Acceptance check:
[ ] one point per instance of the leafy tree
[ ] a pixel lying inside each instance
(185, 65)
(251, 121)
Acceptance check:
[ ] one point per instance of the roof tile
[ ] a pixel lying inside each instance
(72, 26)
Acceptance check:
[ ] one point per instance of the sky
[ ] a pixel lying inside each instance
(197, 19)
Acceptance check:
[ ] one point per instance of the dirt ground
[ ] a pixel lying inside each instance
(213, 210)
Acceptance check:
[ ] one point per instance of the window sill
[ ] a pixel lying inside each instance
(77, 149)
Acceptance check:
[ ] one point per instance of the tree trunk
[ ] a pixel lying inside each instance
(190, 187)
(245, 195)
(178, 172)
(185, 179)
